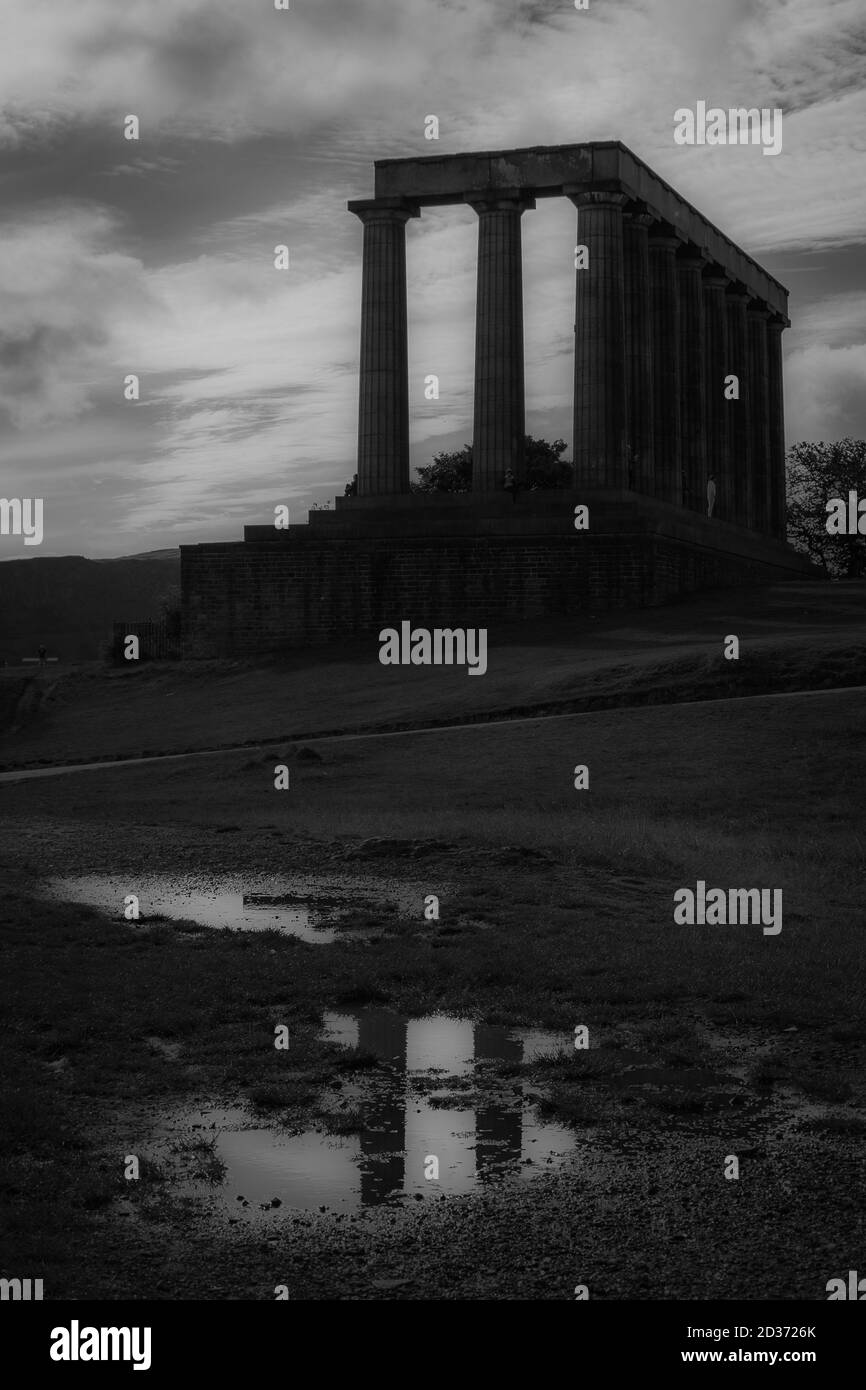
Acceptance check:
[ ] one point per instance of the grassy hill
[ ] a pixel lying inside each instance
(556, 909)
(795, 636)
(69, 603)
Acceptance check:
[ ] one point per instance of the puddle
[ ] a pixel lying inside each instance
(439, 1041)
(317, 910)
(478, 1137)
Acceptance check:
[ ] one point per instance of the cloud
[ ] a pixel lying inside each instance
(139, 168)
(825, 391)
(224, 68)
(837, 321)
(825, 370)
(249, 376)
(63, 293)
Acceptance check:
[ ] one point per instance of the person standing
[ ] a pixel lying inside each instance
(711, 494)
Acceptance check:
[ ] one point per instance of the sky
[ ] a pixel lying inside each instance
(257, 125)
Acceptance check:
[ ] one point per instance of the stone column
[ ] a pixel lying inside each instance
(383, 414)
(778, 499)
(690, 264)
(739, 426)
(716, 359)
(497, 445)
(600, 379)
(640, 473)
(665, 300)
(759, 413)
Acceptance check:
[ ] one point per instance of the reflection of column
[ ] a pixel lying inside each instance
(443, 1045)
(664, 294)
(383, 1139)
(759, 413)
(498, 1129)
(600, 380)
(499, 393)
(383, 414)
(639, 350)
(778, 500)
(492, 1044)
(498, 1139)
(716, 358)
(690, 263)
(739, 432)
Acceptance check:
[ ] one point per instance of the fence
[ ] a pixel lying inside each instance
(158, 639)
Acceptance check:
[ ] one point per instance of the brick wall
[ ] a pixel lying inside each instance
(255, 597)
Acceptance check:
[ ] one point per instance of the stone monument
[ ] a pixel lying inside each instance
(677, 379)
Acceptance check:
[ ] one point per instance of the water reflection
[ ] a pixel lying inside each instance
(476, 1141)
(303, 907)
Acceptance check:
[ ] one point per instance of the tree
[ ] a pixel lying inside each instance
(816, 473)
(543, 468)
(352, 486)
(447, 473)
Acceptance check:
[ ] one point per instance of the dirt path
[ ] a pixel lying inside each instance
(483, 721)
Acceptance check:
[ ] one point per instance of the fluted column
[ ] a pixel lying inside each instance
(639, 351)
(499, 392)
(716, 357)
(778, 500)
(600, 379)
(759, 414)
(665, 300)
(690, 264)
(383, 412)
(738, 411)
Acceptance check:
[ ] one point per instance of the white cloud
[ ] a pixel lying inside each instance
(65, 295)
(249, 377)
(837, 321)
(825, 390)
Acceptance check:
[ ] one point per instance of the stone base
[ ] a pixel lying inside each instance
(457, 560)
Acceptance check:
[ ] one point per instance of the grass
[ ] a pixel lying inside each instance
(793, 636)
(92, 991)
(202, 1160)
(555, 909)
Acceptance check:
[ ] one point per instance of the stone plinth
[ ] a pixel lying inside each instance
(476, 565)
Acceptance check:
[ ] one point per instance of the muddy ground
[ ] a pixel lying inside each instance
(116, 1023)
(608, 1167)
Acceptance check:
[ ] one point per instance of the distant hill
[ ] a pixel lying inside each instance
(68, 604)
